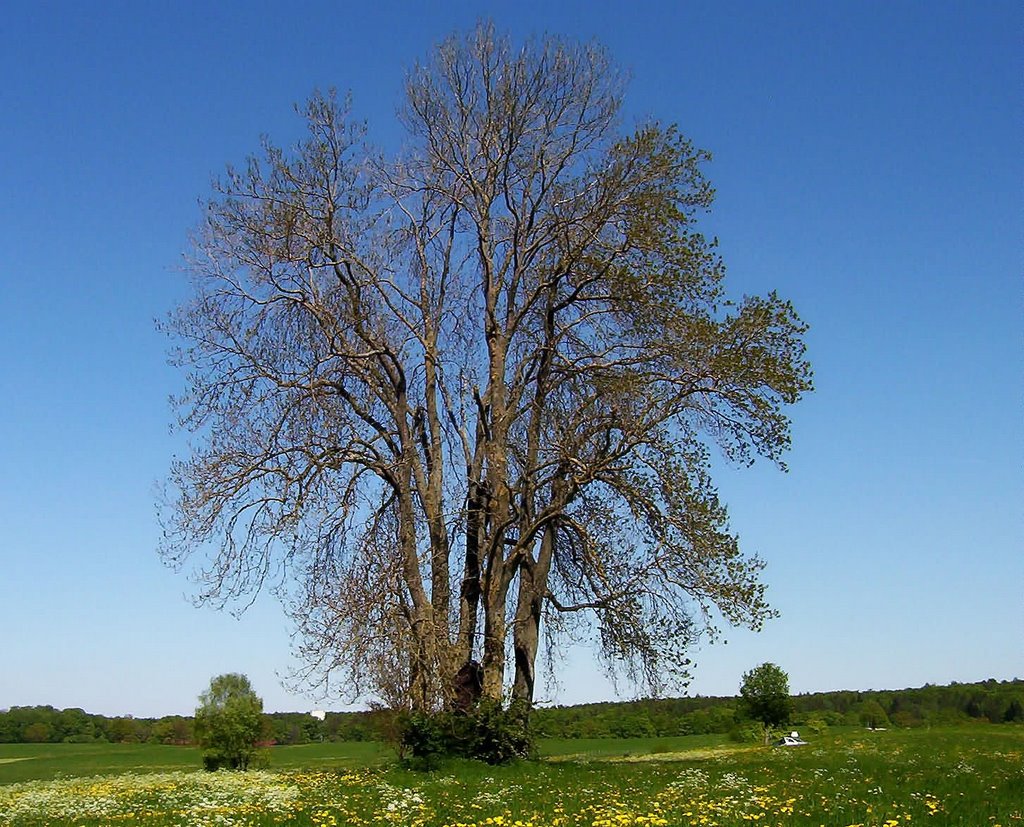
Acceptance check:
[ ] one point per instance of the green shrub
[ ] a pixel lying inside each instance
(816, 725)
(489, 732)
(498, 735)
(422, 739)
(747, 732)
(260, 760)
(213, 761)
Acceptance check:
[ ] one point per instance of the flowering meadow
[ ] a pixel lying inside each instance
(884, 779)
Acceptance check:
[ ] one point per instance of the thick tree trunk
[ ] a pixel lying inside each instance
(533, 584)
(423, 650)
(469, 593)
(494, 643)
(495, 583)
(526, 638)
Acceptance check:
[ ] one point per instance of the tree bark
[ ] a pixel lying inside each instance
(533, 584)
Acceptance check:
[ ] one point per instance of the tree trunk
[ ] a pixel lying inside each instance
(533, 584)
(526, 637)
(494, 640)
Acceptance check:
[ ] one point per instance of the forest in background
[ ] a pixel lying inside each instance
(989, 701)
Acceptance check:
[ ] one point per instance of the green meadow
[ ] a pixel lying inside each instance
(971, 776)
(44, 762)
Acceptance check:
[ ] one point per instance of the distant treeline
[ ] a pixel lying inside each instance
(44, 724)
(988, 701)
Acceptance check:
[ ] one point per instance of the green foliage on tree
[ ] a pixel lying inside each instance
(229, 722)
(764, 696)
(1014, 712)
(37, 733)
(872, 714)
(173, 729)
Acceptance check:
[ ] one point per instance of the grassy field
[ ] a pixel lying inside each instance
(41, 762)
(35, 762)
(973, 777)
(586, 749)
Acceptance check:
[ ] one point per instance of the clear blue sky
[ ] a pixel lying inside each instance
(868, 162)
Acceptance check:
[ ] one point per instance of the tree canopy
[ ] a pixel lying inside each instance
(443, 397)
(765, 695)
(229, 722)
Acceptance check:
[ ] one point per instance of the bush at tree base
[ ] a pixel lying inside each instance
(213, 760)
(488, 732)
(747, 732)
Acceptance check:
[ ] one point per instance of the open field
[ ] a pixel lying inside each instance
(972, 777)
(40, 762)
(586, 749)
(32, 762)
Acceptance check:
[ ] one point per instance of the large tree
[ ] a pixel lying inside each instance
(448, 397)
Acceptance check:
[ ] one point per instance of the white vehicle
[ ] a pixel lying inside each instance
(791, 740)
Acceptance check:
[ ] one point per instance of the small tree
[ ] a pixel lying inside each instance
(872, 714)
(228, 722)
(765, 697)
